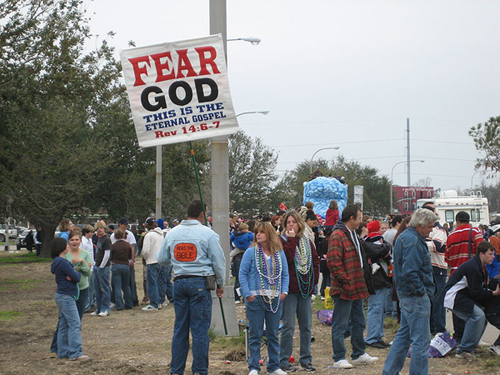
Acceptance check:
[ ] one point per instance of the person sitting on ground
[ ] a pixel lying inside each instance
(492, 312)
(465, 294)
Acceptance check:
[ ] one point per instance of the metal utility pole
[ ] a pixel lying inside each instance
(223, 314)
(408, 180)
(159, 170)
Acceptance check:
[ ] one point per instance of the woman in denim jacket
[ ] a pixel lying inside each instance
(264, 284)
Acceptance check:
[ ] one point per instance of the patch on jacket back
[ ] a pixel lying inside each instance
(185, 252)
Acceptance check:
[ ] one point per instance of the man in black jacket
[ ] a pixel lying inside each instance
(466, 293)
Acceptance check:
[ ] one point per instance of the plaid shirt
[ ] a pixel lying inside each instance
(343, 261)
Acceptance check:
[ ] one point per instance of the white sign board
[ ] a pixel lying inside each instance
(179, 91)
(358, 194)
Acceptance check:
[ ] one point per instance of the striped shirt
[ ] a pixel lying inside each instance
(457, 249)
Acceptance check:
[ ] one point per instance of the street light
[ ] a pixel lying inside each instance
(252, 112)
(324, 148)
(392, 171)
(252, 40)
(472, 178)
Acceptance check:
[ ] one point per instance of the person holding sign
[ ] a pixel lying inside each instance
(199, 266)
(264, 285)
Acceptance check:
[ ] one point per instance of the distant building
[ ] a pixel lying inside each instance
(405, 197)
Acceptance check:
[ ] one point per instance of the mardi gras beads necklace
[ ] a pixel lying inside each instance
(303, 264)
(269, 300)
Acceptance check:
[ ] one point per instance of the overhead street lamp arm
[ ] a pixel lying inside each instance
(392, 172)
(324, 148)
(252, 112)
(252, 40)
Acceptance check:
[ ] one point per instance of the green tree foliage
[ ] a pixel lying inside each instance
(48, 89)
(376, 187)
(487, 139)
(252, 175)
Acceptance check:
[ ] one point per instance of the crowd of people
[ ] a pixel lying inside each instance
(280, 264)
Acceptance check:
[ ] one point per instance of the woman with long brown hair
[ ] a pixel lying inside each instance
(303, 266)
(264, 285)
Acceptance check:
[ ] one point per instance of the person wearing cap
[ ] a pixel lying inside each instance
(199, 266)
(378, 252)
(460, 247)
(130, 238)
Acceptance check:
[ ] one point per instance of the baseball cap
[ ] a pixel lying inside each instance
(149, 221)
(463, 216)
(123, 221)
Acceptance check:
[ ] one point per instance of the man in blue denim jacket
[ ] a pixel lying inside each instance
(414, 282)
(195, 253)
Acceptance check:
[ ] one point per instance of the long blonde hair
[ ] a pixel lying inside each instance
(271, 235)
(300, 222)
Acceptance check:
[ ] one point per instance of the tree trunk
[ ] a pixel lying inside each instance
(48, 236)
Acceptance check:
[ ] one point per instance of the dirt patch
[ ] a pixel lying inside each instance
(139, 342)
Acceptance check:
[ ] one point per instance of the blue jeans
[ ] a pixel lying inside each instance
(69, 338)
(121, 281)
(375, 316)
(438, 311)
(295, 305)
(475, 324)
(347, 314)
(414, 330)
(193, 310)
(91, 297)
(326, 282)
(82, 302)
(256, 316)
(102, 289)
(154, 284)
(80, 306)
(133, 287)
(165, 284)
(391, 307)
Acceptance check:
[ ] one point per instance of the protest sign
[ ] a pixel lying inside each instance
(179, 91)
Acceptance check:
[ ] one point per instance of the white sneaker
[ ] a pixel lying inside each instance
(253, 372)
(111, 305)
(149, 308)
(104, 313)
(343, 363)
(278, 372)
(93, 313)
(495, 349)
(365, 358)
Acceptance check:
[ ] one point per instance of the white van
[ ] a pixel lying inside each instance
(449, 203)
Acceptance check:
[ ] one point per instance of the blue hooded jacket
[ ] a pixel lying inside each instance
(61, 267)
(241, 240)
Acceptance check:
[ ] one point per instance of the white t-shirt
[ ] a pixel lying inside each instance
(130, 237)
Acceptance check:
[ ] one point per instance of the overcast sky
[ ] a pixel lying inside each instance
(346, 73)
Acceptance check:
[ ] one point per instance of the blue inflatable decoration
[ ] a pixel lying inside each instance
(322, 190)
